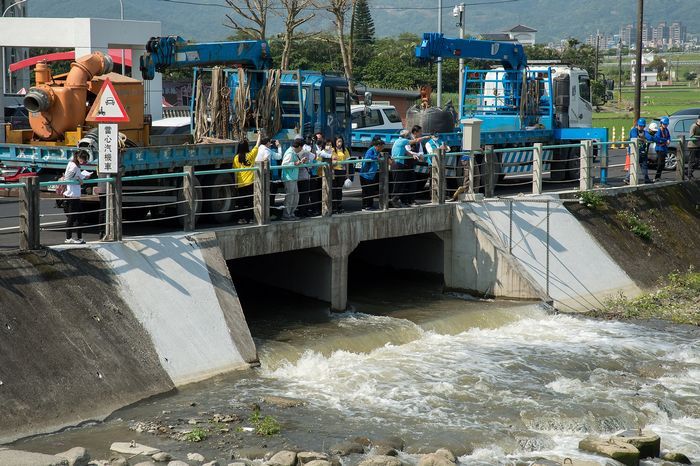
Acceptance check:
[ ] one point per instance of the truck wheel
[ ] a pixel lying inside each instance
(573, 163)
(222, 190)
(557, 165)
(138, 213)
(181, 208)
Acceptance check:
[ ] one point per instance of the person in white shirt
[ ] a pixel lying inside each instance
(267, 153)
(71, 197)
(293, 157)
(304, 181)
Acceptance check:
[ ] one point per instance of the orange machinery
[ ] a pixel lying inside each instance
(59, 104)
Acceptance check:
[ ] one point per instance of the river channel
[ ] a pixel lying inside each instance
(496, 382)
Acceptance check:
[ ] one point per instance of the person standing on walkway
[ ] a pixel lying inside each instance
(639, 132)
(293, 157)
(71, 197)
(369, 174)
(244, 160)
(340, 173)
(270, 150)
(693, 147)
(662, 140)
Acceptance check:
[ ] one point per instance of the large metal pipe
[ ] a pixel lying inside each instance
(67, 104)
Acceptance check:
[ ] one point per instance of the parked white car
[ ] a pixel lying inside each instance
(375, 117)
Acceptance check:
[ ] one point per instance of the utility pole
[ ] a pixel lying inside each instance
(619, 70)
(458, 12)
(638, 65)
(597, 48)
(439, 60)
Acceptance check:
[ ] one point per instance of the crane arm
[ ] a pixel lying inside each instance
(163, 53)
(435, 45)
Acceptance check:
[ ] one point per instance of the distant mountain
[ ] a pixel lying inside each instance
(553, 19)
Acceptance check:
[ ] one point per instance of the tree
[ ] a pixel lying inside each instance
(339, 9)
(580, 55)
(362, 33)
(250, 11)
(291, 23)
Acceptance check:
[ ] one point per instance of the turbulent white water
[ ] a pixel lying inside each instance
(524, 384)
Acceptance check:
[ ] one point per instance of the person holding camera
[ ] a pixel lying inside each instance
(293, 157)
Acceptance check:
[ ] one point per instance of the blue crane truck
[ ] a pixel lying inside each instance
(517, 105)
(309, 102)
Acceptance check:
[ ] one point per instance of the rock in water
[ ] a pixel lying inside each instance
(34, 459)
(283, 458)
(380, 461)
(346, 448)
(118, 461)
(145, 463)
(447, 454)
(195, 457)
(309, 456)
(435, 459)
(647, 442)
(622, 452)
(283, 402)
(211, 463)
(676, 457)
(161, 457)
(77, 456)
(133, 448)
(178, 463)
(318, 463)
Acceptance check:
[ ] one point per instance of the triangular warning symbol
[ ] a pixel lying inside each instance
(107, 107)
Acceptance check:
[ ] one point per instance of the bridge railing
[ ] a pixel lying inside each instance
(248, 195)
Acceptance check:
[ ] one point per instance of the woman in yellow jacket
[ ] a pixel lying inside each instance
(340, 173)
(245, 158)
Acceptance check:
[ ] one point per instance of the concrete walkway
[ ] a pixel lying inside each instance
(581, 273)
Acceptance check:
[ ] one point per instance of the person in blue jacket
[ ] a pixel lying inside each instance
(639, 131)
(369, 174)
(662, 140)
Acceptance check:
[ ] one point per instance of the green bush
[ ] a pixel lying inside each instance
(591, 199)
(196, 435)
(636, 225)
(266, 425)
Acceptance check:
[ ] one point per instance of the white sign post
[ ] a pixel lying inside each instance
(109, 148)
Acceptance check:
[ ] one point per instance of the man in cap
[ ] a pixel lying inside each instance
(662, 140)
(638, 131)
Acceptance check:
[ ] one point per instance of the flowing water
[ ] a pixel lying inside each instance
(494, 381)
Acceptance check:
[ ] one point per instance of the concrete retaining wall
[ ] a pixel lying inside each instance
(88, 330)
(167, 284)
(71, 348)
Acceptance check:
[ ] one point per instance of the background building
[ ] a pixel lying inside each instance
(15, 81)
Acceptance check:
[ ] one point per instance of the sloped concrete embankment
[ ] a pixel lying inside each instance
(671, 212)
(85, 331)
(581, 272)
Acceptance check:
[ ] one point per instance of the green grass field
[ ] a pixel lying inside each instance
(656, 102)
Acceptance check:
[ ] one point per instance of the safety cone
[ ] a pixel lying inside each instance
(623, 137)
(614, 145)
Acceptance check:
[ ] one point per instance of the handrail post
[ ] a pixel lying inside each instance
(327, 191)
(634, 162)
(113, 216)
(261, 192)
(29, 233)
(188, 187)
(472, 172)
(680, 160)
(384, 182)
(604, 160)
(437, 192)
(490, 175)
(585, 181)
(537, 168)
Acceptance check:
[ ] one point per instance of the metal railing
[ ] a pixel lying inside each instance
(250, 195)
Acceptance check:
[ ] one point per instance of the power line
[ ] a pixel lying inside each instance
(376, 7)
